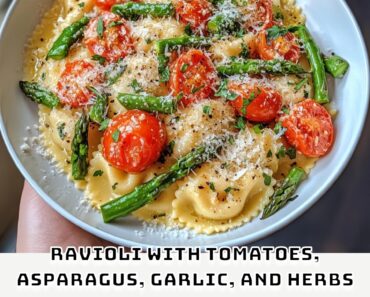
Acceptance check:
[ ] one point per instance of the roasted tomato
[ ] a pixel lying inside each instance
(309, 128)
(283, 46)
(194, 12)
(262, 17)
(257, 104)
(192, 77)
(133, 141)
(107, 4)
(72, 85)
(109, 36)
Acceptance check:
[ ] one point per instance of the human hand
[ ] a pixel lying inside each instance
(40, 227)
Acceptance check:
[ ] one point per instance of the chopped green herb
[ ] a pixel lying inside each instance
(229, 189)
(278, 129)
(224, 92)
(98, 58)
(115, 135)
(82, 4)
(278, 16)
(98, 173)
(240, 123)
(240, 33)
(291, 152)
(212, 186)
(114, 186)
(184, 67)
(104, 125)
(231, 140)
(136, 86)
(245, 51)
(269, 154)
(167, 151)
(188, 30)
(285, 110)
(246, 102)
(281, 153)
(258, 128)
(43, 76)
(197, 89)
(180, 96)
(171, 146)
(276, 31)
(61, 131)
(115, 24)
(207, 110)
(267, 179)
(300, 84)
(100, 28)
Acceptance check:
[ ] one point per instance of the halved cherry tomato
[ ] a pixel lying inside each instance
(133, 141)
(107, 4)
(309, 128)
(112, 41)
(192, 77)
(72, 85)
(262, 16)
(257, 104)
(194, 12)
(283, 46)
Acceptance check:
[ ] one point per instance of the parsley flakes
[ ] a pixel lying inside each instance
(98, 173)
(115, 135)
(224, 92)
(240, 123)
(100, 28)
(267, 179)
(207, 110)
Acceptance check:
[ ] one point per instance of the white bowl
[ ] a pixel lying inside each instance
(334, 28)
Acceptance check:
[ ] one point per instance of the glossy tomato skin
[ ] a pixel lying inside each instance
(309, 128)
(107, 4)
(285, 47)
(193, 77)
(74, 80)
(194, 12)
(262, 18)
(133, 141)
(114, 43)
(256, 104)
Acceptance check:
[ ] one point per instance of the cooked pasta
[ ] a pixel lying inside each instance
(192, 112)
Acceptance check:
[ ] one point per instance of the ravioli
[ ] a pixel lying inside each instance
(229, 189)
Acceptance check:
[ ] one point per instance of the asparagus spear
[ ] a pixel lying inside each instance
(222, 23)
(259, 66)
(115, 72)
(164, 45)
(336, 66)
(39, 94)
(285, 192)
(98, 111)
(66, 39)
(317, 63)
(148, 103)
(80, 148)
(132, 10)
(148, 191)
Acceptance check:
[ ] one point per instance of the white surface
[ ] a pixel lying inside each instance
(332, 26)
